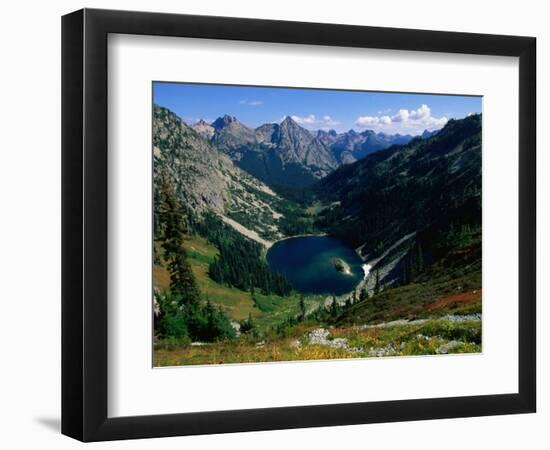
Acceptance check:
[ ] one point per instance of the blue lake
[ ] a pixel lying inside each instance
(308, 264)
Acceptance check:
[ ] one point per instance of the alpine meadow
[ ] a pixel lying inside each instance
(310, 224)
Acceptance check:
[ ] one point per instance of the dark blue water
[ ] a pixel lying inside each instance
(307, 262)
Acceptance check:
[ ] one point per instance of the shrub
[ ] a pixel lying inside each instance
(458, 331)
(194, 321)
(247, 325)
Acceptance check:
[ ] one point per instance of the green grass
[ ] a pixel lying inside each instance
(265, 304)
(469, 331)
(236, 303)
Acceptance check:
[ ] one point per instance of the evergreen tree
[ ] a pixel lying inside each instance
(302, 308)
(240, 262)
(182, 280)
(406, 278)
(377, 282)
(180, 311)
(247, 325)
(348, 303)
(170, 320)
(420, 257)
(334, 308)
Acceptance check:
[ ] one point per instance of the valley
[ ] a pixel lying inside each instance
(275, 243)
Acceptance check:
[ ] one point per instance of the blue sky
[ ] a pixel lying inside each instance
(314, 108)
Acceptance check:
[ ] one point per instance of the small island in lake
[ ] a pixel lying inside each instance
(341, 266)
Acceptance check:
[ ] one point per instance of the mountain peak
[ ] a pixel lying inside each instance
(426, 133)
(326, 133)
(289, 122)
(203, 128)
(222, 122)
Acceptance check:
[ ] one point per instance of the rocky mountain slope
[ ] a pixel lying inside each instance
(231, 136)
(207, 180)
(205, 129)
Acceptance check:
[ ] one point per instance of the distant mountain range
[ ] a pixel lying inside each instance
(289, 155)
(279, 154)
(350, 146)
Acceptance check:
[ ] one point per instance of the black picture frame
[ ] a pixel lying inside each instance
(84, 224)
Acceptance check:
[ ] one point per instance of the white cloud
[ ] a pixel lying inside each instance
(312, 121)
(251, 102)
(307, 120)
(405, 121)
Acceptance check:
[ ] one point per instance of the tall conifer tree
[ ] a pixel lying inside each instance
(182, 280)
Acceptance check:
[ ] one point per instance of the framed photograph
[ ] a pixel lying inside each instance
(273, 224)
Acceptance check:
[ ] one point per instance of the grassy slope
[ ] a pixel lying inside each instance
(450, 286)
(236, 303)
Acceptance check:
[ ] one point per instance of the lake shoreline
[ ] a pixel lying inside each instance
(286, 238)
